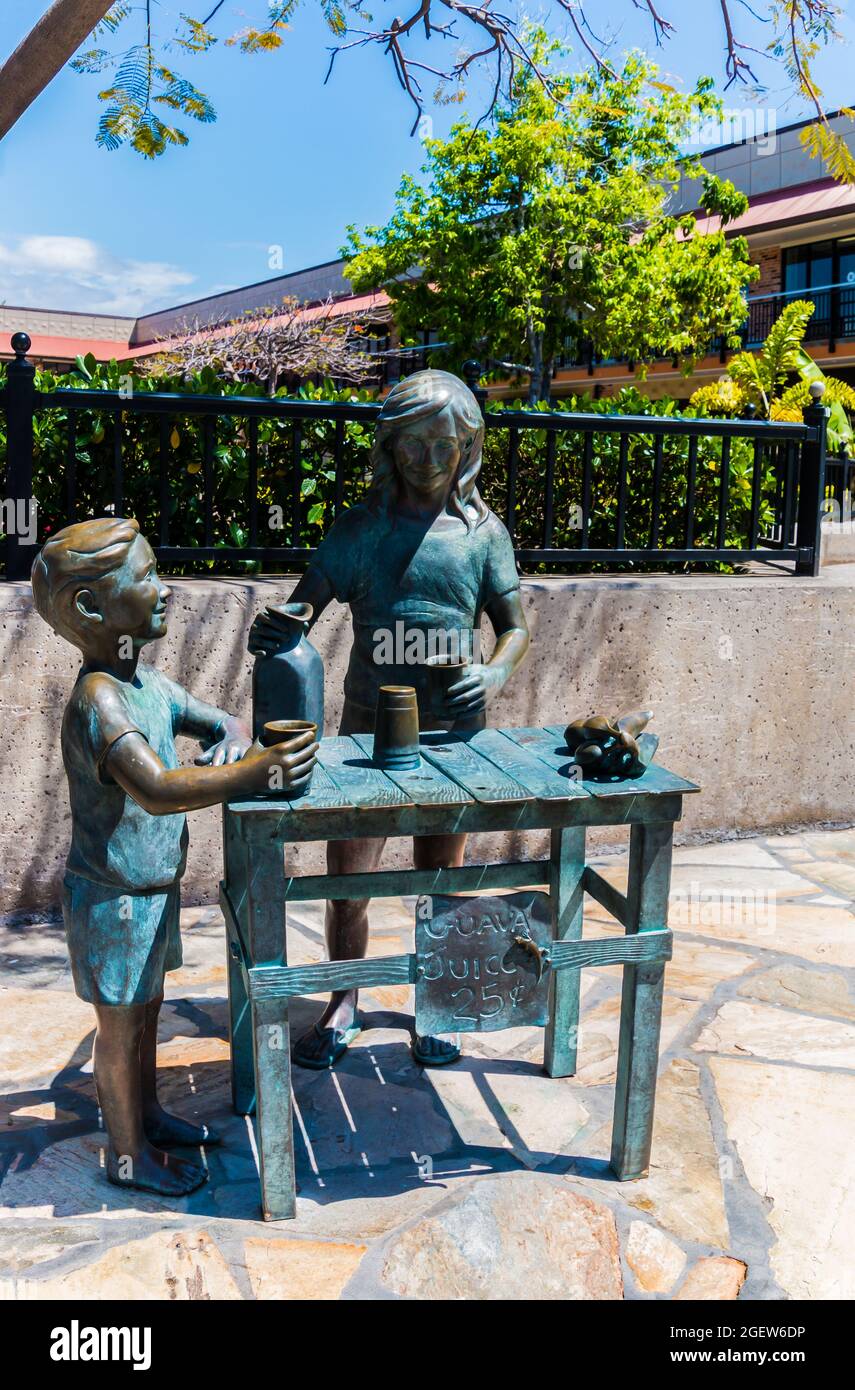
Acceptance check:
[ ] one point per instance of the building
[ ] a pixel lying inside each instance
(800, 227)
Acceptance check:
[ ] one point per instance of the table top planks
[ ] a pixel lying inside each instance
(464, 781)
(355, 774)
(322, 794)
(523, 766)
(426, 785)
(458, 759)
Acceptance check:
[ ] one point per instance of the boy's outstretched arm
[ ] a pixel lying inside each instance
(162, 791)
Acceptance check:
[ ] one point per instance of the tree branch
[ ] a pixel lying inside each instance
(736, 68)
(43, 53)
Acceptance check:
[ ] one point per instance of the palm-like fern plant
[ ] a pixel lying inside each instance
(765, 380)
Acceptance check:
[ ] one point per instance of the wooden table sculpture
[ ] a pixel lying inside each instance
(511, 780)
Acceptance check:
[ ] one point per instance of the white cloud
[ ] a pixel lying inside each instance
(69, 272)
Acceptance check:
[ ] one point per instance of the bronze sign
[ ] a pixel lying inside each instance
(482, 963)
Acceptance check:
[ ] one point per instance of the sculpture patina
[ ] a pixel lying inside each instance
(97, 586)
(417, 562)
(609, 750)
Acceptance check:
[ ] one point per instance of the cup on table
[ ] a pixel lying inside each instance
(396, 728)
(443, 673)
(277, 731)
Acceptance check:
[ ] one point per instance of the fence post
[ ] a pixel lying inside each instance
(19, 507)
(472, 376)
(812, 485)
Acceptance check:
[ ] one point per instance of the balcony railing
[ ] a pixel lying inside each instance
(833, 318)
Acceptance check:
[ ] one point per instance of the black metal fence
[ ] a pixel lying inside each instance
(576, 490)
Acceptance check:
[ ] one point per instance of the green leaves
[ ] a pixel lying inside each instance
(129, 118)
(94, 443)
(641, 462)
(193, 36)
(762, 378)
(550, 227)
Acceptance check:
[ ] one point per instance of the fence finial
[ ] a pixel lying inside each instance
(21, 344)
(472, 376)
(472, 373)
(817, 391)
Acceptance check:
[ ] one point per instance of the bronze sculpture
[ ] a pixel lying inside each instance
(97, 586)
(608, 750)
(425, 552)
(292, 677)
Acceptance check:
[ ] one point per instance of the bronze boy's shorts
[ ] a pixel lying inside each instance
(120, 944)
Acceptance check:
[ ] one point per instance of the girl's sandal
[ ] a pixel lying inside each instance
(423, 1053)
(321, 1048)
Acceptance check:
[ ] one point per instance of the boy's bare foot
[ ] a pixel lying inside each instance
(166, 1131)
(155, 1171)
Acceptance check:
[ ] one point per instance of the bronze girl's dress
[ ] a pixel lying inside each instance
(430, 577)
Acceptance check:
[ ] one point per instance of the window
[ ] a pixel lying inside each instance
(824, 271)
(846, 251)
(808, 267)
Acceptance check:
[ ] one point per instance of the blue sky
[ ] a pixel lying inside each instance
(288, 163)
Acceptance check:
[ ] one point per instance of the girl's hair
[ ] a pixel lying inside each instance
(418, 397)
(78, 557)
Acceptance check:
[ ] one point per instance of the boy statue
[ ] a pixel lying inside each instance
(96, 584)
(421, 558)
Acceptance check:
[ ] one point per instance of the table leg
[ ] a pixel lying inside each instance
(641, 1003)
(270, 1032)
(566, 872)
(240, 1030)
(240, 1038)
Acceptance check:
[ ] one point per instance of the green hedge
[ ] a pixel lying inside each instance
(530, 487)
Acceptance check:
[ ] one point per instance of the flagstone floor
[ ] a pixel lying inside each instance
(487, 1179)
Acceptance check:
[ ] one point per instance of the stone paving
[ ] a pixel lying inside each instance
(487, 1180)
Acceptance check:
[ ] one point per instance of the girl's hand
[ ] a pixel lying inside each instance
(470, 695)
(265, 637)
(230, 748)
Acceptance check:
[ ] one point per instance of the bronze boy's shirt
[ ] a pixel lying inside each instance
(113, 840)
(429, 578)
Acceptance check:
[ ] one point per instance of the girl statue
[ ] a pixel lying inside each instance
(420, 560)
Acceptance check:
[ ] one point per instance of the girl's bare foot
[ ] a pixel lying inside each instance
(165, 1130)
(152, 1170)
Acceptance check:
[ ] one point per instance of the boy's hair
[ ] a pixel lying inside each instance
(78, 557)
(418, 397)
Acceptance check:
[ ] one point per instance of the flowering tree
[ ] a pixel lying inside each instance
(275, 344)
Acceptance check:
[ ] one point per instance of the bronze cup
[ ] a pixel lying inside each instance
(277, 731)
(443, 673)
(396, 728)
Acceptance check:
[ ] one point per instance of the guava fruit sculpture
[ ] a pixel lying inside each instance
(610, 750)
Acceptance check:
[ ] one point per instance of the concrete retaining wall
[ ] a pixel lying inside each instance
(749, 678)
